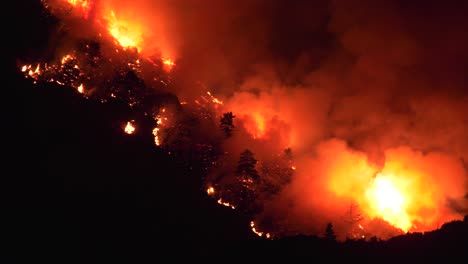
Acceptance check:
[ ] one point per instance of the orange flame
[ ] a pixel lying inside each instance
(129, 128)
(410, 192)
(168, 64)
(388, 202)
(258, 233)
(83, 5)
(221, 202)
(127, 34)
(214, 99)
(210, 191)
(80, 88)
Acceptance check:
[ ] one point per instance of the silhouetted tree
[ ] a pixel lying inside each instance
(330, 233)
(248, 181)
(226, 123)
(275, 174)
(352, 217)
(246, 165)
(288, 153)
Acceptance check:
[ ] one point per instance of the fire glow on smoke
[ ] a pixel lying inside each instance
(318, 148)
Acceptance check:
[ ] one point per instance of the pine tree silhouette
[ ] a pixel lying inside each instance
(227, 124)
(330, 233)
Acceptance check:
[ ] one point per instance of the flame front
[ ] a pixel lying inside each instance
(83, 5)
(388, 202)
(127, 34)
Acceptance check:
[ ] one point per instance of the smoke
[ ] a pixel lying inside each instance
(387, 94)
(358, 90)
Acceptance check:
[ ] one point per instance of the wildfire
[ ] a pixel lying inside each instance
(83, 5)
(210, 191)
(258, 233)
(129, 128)
(214, 99)
(128, 35)
(221, 202)
(80, 88)
(389, 202)
(257, 125)
(67, 72)
(157, 140)
(168, 63)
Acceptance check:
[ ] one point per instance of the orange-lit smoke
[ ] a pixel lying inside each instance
(369, 96)
(140, 25)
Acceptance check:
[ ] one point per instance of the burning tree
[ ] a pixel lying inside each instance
(352, 217)
(226, 123)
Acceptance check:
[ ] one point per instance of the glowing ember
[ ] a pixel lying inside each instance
(210, 191)
(80, 88)
(66, 58)
(214, 99)
(389, 202)
(258, 233)
(127, 34)
(157, 140)
(156, 136)
(129, 128)
(168, 62)
(83, 5)
(220, 201)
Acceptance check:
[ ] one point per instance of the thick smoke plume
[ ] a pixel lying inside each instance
(360, 92)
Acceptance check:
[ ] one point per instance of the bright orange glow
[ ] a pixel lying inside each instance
(257, 125)
(210, 191)
(388, 202)
(129, 128)
(258, 233)
(168, 64)
(80, 88)
(214, 99)
(127, 34)
(168, 61)
(83, 5)
(221, 202)
(66, 58)
(157, 139)
(410, 191)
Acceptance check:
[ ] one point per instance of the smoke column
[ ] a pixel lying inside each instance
(370, 97)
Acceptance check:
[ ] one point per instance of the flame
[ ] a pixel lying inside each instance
(410, 192)
(214, 99)
(80, 88)
(258, 233)
(256, 125)
(221, 202)
(168, 64)
(83, 5)
(157, 140)
(210, 191)
(389, 202)
(129, 128)
(127, 34)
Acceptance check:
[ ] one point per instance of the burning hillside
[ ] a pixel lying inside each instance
(358, 126)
